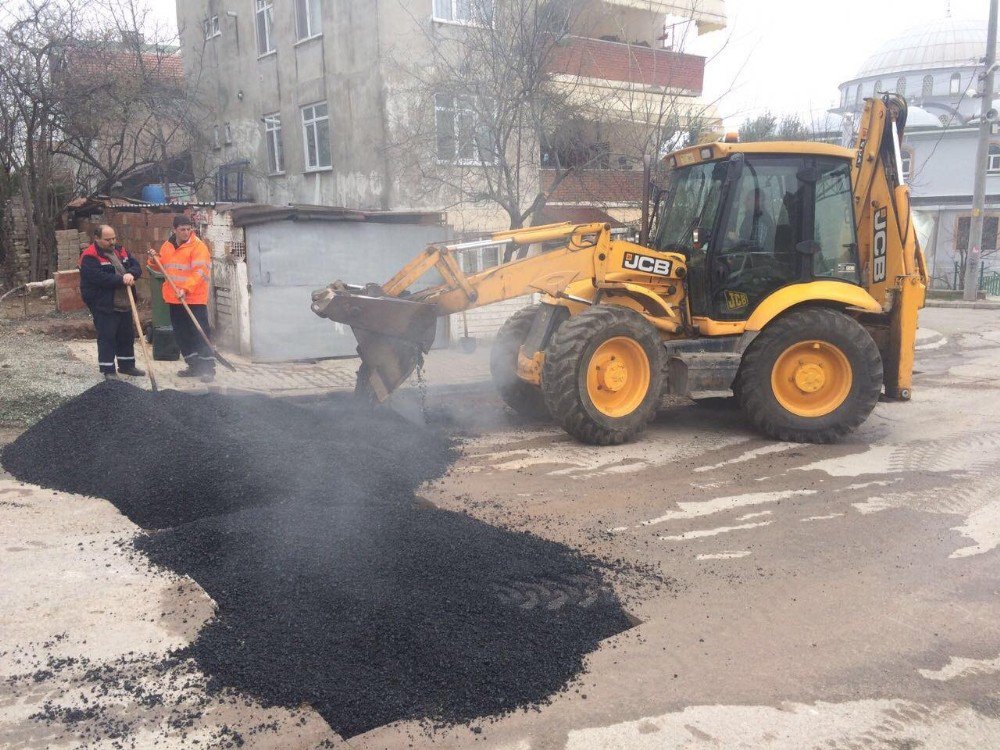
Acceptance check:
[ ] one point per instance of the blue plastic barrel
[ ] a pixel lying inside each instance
(154, 194)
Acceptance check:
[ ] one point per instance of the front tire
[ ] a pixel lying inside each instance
(811, 376)
(524, 398)
(603, 374)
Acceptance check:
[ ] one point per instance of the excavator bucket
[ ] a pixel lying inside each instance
(393, 334)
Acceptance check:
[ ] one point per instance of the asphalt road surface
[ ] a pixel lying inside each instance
(786, 596)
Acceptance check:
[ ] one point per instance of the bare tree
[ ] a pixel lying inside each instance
(514, 91)
(91, 94)
(31, 40)
(768, 127)
(479, 108)
(123, 104)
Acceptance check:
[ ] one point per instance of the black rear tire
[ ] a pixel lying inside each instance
(565, 374)
(832, 329)
(524, 398)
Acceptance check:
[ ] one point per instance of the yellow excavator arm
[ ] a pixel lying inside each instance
(395, 327)
(893, 269)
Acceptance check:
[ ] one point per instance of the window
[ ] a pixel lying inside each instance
(858, 96)
(463, 135)
(228, 133)
(990, 226)
(901, 86)
(265, 19)
(993, 159)
(216, 139)
(479, 259)
(308, 22)
(928, 86)
(878, 88)
(211, 26)
(463, 11)
(316, 136)
(906, 156)
(955, 84)
(845, 97)
(275, 149)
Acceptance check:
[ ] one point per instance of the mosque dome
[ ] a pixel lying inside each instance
(947, 43)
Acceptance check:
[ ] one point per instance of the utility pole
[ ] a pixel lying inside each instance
(987, 118)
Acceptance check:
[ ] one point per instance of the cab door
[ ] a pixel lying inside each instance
(786, 219)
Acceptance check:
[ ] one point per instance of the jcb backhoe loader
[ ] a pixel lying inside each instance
(785, 274)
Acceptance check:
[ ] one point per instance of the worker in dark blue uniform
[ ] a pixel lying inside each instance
(107, 270)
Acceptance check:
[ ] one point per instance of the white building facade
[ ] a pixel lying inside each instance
(937, 67)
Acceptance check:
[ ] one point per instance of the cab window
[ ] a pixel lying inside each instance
(837, 257)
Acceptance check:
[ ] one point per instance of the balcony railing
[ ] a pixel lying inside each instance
(628, 63)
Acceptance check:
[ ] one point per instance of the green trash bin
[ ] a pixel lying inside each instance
(161, 335)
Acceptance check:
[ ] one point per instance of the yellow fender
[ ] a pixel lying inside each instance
(787, 297)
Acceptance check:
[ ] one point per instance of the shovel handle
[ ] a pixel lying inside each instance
(142, 339)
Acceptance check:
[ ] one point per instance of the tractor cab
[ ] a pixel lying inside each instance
(752, 218)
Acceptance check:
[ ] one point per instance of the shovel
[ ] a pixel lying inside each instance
(142, 339)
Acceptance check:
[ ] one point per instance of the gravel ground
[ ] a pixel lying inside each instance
(37, 373)
(335, 586)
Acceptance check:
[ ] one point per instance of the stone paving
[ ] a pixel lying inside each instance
(443, 367)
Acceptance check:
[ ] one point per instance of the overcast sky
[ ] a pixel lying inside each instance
(789, 56)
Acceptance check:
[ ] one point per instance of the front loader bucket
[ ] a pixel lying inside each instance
(393, 334)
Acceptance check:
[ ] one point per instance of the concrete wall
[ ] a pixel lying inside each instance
(340, 66)
(944, 163)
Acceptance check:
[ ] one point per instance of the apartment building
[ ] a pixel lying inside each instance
(310, 99)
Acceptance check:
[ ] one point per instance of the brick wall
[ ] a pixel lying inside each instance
(594, 186)
(69, 243)
(140, 230)
(18, 260)
(68, 297)
(484, 322)
(615, 61)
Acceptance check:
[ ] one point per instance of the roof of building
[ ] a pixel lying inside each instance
(921, 118)
(945, 43)
(249, 214)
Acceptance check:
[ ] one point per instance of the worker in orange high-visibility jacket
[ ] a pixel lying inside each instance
(186, 260)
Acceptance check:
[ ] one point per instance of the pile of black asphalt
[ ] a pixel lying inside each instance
(335, 586)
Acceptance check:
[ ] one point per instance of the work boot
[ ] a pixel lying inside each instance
(207, 376)
(188, 372)
(132, 371)
(110, 376)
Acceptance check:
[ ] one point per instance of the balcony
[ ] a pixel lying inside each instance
(710, 15)
(594, 186)
(596, 59)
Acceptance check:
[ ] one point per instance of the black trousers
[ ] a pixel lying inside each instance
(195, 351)
(115, 340)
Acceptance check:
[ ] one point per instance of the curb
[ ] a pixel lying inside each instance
(962, 304)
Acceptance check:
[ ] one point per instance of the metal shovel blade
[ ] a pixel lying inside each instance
(392, 333)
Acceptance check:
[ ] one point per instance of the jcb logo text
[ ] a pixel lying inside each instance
(878, 252)
(646, 264)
